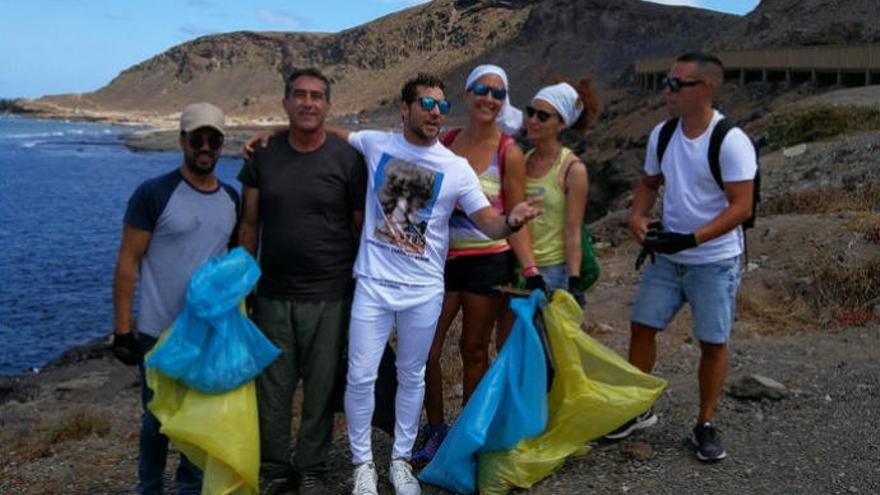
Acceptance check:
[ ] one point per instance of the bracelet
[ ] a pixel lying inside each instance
(511, 227)
(530, 271)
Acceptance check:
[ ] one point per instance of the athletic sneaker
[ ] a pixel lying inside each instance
(402, 478)
(708, 443)
(433, 438)
(365, 479)
(642, 421)
(312, 484)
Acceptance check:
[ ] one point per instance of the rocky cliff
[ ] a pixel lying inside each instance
(783, 23)
(243, 71)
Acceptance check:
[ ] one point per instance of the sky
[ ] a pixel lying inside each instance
(77, 46)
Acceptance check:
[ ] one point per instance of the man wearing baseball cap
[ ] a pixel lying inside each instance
(173, 224)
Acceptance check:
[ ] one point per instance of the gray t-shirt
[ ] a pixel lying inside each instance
(188, 227)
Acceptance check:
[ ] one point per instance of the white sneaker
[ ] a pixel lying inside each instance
(403, 479)
(365, 479)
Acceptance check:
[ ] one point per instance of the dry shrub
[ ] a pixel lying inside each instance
(848, 287)
(830, 200)
(23, 442)
(867, 223)
(78, 424)
(818, 123)
(773, 314)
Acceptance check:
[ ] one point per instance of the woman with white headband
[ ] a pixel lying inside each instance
(477, 264)
(559, 176)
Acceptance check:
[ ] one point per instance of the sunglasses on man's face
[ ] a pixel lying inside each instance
(197, 140)
(481, 89)
(675, 84)
(428, 103)
(541, 114)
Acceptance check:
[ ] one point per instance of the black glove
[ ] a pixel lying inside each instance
(573, 283)
(126, 349)
(537, 282)
(646, 249)
(669, 242)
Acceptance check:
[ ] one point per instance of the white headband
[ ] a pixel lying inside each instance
(510, 118)
(563, 98)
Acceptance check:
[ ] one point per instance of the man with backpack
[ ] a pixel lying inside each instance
(708, 169)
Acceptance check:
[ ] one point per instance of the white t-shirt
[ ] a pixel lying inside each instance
(411, 193)
(691, 197)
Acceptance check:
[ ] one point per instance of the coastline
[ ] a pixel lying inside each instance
(155, 131)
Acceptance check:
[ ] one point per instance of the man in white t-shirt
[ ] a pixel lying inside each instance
(700, 241)
(414, 184)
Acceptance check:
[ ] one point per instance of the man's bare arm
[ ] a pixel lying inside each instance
(644, 197)
(739, 209)
(499, 226)
(131, 251)
(249, 228)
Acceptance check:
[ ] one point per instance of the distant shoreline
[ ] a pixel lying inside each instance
(153, 133)
(159, 132)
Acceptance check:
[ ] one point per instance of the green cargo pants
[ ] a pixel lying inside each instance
(311, 336)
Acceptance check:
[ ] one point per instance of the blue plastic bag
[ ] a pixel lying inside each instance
(212, 347)
(509, 404)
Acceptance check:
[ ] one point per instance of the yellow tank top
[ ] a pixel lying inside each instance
(548, 230)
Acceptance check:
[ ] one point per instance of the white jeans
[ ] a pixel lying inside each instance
(375, 310)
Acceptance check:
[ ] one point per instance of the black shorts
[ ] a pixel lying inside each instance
(480, 273)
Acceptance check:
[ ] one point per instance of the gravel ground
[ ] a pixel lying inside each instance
(821, 439)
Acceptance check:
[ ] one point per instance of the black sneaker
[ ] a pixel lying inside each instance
(708, 443)
(276, 486)
(312, 484)
(642, 421)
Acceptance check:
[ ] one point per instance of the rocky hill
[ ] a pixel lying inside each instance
(243, 71)
(781, 23)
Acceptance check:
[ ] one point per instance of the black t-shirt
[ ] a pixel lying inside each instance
(308, 241)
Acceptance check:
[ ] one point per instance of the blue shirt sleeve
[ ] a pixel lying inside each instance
(149, 200)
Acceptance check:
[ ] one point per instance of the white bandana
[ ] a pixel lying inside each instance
(563, 98)
(510, 118)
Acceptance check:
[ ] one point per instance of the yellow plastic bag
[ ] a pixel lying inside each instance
(594, 391)
(217, 432)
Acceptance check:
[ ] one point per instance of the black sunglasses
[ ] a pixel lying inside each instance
(542, 115)
(197, 140)
(428, 103)
(481, 89)
(675, 84)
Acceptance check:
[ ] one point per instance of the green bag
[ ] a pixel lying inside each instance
(589, 263)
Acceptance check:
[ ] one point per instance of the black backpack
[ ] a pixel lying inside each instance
(718, 134)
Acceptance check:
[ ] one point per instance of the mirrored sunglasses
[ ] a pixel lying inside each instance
(481, 89)
(428, 103)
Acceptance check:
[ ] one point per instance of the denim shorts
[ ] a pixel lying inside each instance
(710, 289)
(555, 276)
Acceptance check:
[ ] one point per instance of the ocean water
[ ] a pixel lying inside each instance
(63, 192)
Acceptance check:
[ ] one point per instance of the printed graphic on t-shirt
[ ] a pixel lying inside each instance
(406, 194)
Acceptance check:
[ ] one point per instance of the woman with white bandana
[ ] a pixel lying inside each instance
(476, 264)
(559, 176)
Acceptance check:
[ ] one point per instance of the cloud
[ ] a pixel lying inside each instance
(280, 18)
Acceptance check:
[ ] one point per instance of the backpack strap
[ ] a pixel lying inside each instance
(503, 144)
(663, 139)
(718, 134)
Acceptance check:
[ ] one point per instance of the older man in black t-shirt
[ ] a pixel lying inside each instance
(303, 204)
